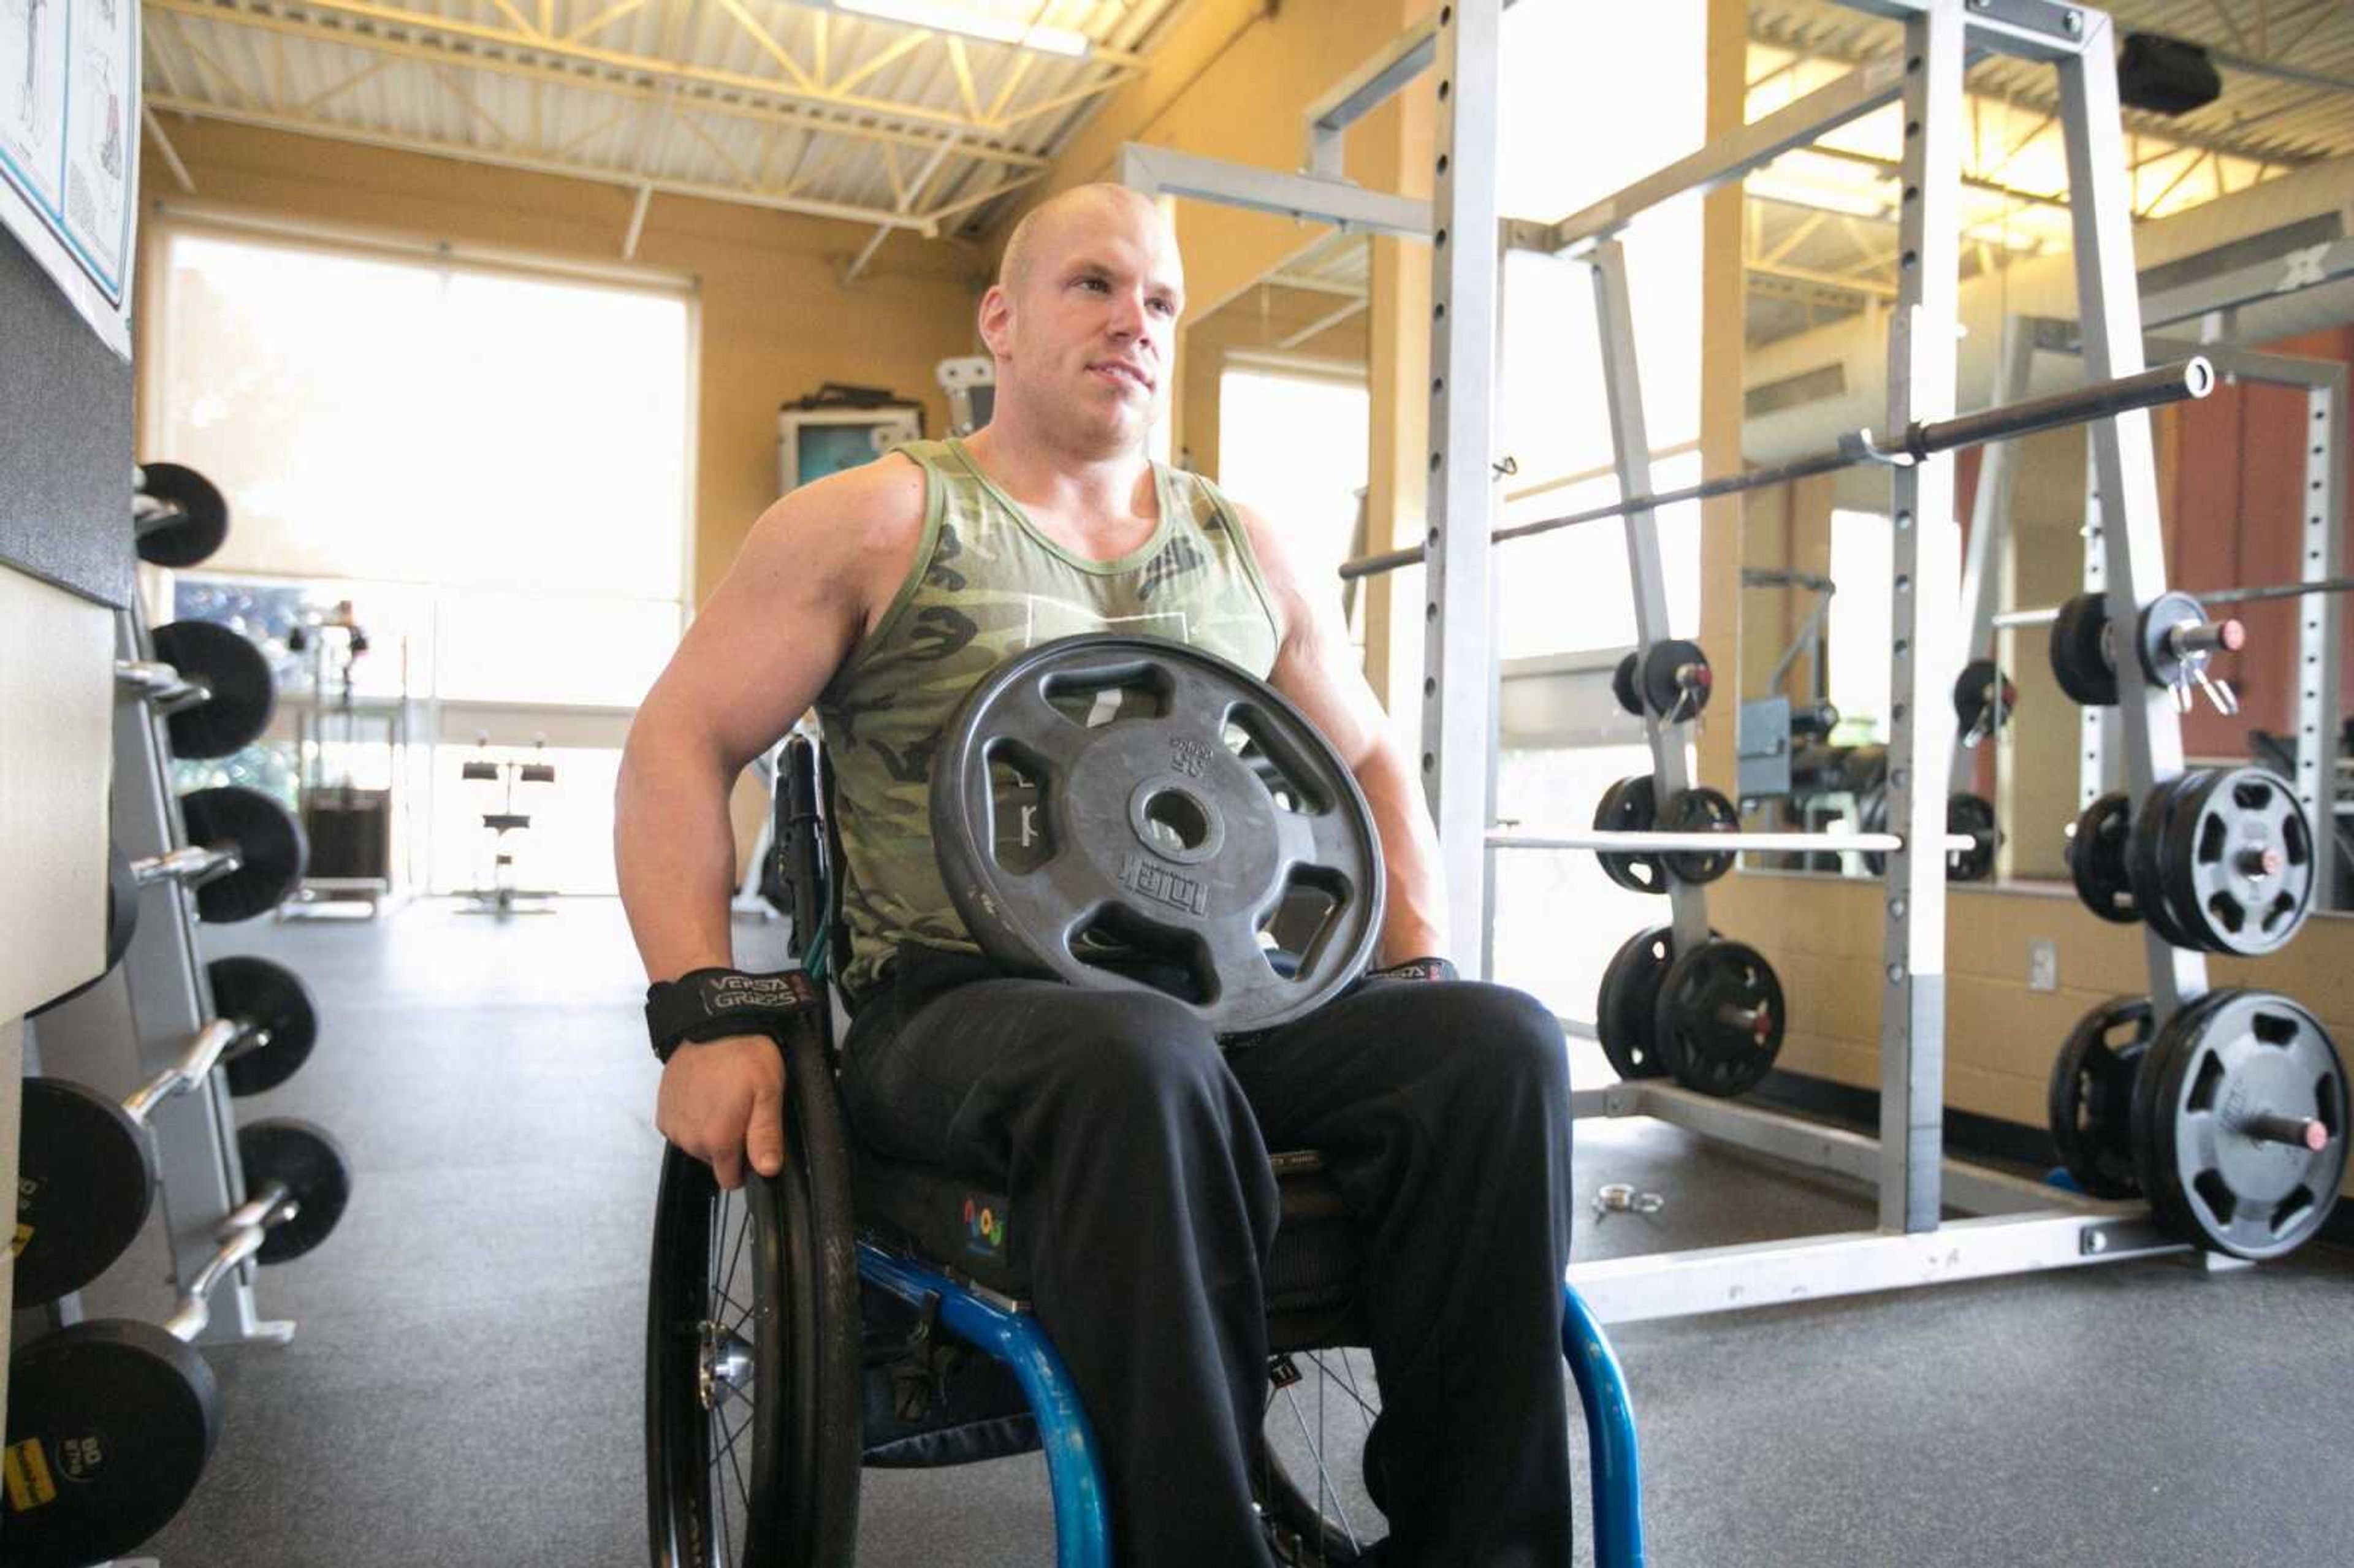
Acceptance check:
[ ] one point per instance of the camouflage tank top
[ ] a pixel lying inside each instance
(986, 584)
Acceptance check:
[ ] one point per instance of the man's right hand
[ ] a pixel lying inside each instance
(721, 1099)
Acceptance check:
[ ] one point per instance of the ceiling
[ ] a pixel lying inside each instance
(1821, 237)
(918, 115)
(1312, 308)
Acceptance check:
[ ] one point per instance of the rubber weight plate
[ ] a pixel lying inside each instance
(267, 840)
(2143, 848)
(2080, 660)
(1700, 810)
(1720, 1017)
(1974, 815)
(2239, 1121)
(1166, 859)
(244, 693)
(110, 1425)
(2239, 861)
(2097, 859)
(85, 1182)
(316, 1175)
(282, 1024)
(2091, 1098)
(1630, 805)
(1625, 1007)
(200, 527)
(1660, 687)
(1622, 686)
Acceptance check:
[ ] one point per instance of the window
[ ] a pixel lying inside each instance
(489, 467)
(1294, 448)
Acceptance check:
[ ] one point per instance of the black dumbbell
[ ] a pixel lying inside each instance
(246, 853)
(86, 1172)
(178, 517)
(111, 1421)
(213, 687)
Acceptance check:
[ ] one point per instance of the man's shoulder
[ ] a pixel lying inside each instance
(849, 522)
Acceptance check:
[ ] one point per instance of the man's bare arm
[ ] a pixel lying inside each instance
(754, 661)
(1316, 667)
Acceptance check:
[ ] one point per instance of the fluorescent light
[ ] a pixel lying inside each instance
(945, 18)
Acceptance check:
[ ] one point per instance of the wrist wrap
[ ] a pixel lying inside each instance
(705, 1005)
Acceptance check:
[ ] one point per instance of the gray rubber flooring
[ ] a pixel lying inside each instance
(465, 1385)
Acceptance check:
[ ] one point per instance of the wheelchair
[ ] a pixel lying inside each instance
(853, 1312)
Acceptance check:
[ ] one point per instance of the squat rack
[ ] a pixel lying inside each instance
(2027, 1225)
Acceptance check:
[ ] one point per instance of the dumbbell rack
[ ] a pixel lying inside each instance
(156, 999)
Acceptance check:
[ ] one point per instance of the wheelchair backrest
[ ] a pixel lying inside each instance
(810, 854)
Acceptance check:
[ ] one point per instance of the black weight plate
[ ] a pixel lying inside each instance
(189, 539)
(2091, 1098)
(1622, 686)
(1630, 805)
(267, 839)
(2143, 858)
(244, 693)
(1700, 810)
(284, 1025)
(2239, 861)
(2159, 616)
(2097, 859)
(2210, 1073)
(1626, 1005)
(1661, 688)
(85, 1182)
(312, 1168)
(1974, 815)
(1980, 687)
(2079, 660)
(121, 924)
(1720, 1017)
(1169, 855)
(110, 1425)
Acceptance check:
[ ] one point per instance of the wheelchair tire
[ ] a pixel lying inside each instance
(753, 1291)
(1307, 1475)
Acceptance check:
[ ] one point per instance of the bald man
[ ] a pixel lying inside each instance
(1133, 1144)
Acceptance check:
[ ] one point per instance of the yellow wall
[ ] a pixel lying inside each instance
(775, 321)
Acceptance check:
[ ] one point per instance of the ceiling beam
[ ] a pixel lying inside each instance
(433, 51)
(921, 223)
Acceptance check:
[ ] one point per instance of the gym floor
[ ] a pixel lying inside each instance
(465, 1385)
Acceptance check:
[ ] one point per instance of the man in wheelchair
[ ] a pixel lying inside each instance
(1134, 1143)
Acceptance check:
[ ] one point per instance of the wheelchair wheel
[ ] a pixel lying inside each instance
(752, 1358)
(1308, 1477)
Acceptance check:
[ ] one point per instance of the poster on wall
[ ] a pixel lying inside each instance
(70, 148)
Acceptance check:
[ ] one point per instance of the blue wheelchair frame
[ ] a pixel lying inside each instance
(1075, 1474)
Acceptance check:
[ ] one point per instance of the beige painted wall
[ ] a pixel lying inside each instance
(774, 319)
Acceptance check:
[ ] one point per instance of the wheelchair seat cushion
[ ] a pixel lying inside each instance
(970, 1229)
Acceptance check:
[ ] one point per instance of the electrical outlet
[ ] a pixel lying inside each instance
(2044, 966)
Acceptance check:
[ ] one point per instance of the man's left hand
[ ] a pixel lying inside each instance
(1427, 968)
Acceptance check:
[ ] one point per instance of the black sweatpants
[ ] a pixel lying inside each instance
(1134, 1151)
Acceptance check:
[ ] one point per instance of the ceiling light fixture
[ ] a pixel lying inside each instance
(941, 16)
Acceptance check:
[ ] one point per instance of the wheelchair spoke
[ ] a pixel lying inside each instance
(1324, 1487)
(1365, 1408)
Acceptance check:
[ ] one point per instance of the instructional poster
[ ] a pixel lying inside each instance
(70, 148)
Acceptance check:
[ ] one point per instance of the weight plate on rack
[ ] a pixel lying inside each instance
(2091, 1097)
(281, 1023)
(244, 695)
(1664, 691)
(1700, 810)
(1718, 1019)
(317, 1177)
(2239, 1123)
(1166, 857)
(2096, 858)
(1625, 1007)
(2080, 654)
(2238, 860)
(200, 526)
(1984, 698)
(268, 842)
(1622, 686)
(110, 1422)
(85, 1182)
(2144, 856)
(1630, 805)
(2158, 618)
(1974, 815)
